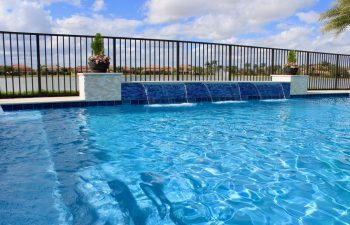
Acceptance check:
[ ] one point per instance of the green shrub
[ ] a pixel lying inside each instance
(292, 57)
(97, 45)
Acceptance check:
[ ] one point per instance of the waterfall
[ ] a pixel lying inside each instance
(164, 93)
(146, 93)
(239, 91)
(206, 86)
(284, 95)
(256, 87)
(186, 92)
(1, 111)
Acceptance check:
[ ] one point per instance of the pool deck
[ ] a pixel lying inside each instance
(41, 100)
(12, 101)
(328, 92)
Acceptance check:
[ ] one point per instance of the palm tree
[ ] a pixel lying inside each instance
(337, 19)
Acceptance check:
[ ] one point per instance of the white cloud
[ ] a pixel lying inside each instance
(160, 11)
(73, 2)
(303, 38)
(78, 24)
(30, 16)
(292, 37)
(308, 17)
(221, 19)
(98, 5)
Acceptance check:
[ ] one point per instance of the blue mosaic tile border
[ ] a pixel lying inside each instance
(135, 93)
(54, 105)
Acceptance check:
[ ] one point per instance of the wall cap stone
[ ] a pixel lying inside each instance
(281, 75)
(100, 74)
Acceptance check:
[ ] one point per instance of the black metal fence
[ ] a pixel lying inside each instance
(33, 64)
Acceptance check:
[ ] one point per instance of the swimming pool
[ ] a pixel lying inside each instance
(254, 162)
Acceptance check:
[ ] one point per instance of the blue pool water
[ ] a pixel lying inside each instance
(255, 162)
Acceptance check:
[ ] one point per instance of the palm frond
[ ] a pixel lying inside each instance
(337, 19)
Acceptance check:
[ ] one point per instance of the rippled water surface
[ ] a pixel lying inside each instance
(257, 162)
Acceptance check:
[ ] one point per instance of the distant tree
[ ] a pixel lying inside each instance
(64, 70)
(247, 65)
(212, 66)
(337, 19)
(325, 63)
(44, 69)
(6, 69)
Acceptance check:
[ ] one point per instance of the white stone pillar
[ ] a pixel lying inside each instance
(298, 83)
(100, 86)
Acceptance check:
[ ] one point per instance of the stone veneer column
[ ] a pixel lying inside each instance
(298, 83)
(100, 86)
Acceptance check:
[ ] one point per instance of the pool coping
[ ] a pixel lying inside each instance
(71, 102)
(323, 94)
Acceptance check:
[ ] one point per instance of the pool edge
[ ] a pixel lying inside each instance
(82, 104)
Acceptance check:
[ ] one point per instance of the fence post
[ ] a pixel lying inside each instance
(38, 61)
(230, 63)
(307, 63)
(177, 60)
(272, 61)
(114, 56)
(337, 72)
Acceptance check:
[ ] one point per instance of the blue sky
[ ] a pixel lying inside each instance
(276, 23)
(113, 8)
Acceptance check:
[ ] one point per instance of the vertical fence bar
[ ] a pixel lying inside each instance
(38, 62)
(114, 56)
(272, 61)
(230, 63)
(307, 63)
(5, 66)
(11, 60)
(31, 60)
(75, 62)
(25, 63)
(18, 68)
(51, 58)
(64, 65)
(45, 53)
(58, 65)
(130, 62)
(177, 60)
(69, 66)
(337, 72)
(159, 73)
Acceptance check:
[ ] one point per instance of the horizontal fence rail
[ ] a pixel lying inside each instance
(34, 64)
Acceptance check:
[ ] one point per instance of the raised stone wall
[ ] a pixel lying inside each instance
(298, 83)
(100, 86)
(108, 87)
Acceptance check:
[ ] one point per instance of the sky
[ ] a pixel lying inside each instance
(289, 24)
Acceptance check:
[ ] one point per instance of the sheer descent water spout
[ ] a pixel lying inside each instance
(256, 87)
(186, 92)
(146, 93)
(206, 86)
(284, 95)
